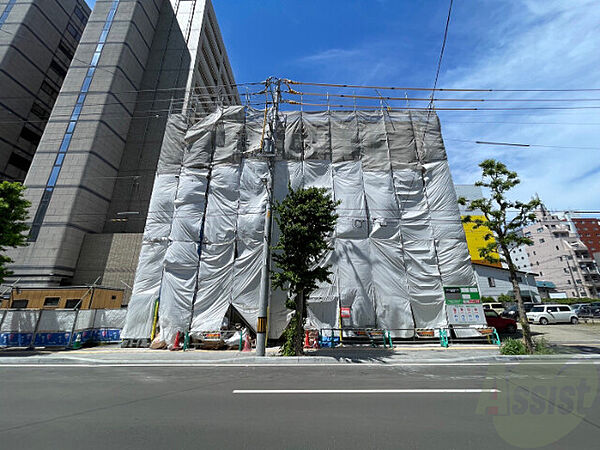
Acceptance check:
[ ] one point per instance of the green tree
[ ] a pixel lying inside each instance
(505, 219)
(13, 213)
(306, 218)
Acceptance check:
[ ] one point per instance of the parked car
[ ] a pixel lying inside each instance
(545, 314)
(497, 306)
(512, 312)
(501, 324)
(585, 310)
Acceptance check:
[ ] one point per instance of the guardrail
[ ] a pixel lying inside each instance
(67, 328)
(333, 337)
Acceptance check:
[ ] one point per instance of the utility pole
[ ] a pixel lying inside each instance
(265, 281)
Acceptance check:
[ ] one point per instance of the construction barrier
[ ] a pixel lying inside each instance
(333, 337)
(60, 327)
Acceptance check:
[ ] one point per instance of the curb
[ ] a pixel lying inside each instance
(289, 361)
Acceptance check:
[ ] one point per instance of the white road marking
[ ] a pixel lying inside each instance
(363, 391)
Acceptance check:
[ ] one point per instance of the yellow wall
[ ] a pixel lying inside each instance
(475, 241)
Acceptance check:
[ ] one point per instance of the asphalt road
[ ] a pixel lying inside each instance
(196, 407)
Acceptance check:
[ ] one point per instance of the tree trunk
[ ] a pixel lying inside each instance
(517, 290)
(299, 332)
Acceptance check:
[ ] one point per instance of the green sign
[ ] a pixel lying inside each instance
(462, 295)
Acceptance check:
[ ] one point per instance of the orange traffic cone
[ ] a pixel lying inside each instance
(176, 343)
(247, 343)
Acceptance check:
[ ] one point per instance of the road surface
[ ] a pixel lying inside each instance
(449, 406)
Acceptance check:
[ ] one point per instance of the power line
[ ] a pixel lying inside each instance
(406, 88)
(438, 99)
(508, 144)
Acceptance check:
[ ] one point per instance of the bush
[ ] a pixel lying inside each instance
(542, 347)
(512, 346)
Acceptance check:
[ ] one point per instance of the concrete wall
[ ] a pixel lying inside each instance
(37, 43)
(109, 258)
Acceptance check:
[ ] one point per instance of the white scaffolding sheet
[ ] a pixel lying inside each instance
(398, 240)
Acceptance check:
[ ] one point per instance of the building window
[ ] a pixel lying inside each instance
(51, 301)
(73, 32)
(491, 282)
(80, 15)
(30, 136)
(19, 304)
(19, 162)
(73, 303)
(60, 71)
(49, 89)
(40, 111)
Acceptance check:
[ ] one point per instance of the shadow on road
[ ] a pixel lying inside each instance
(355, 355)
(20, 352)
(576, 349)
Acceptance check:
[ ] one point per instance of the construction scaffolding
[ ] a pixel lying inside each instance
(398, 244)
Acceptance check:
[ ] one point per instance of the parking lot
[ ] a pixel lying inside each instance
(581, 338)
(567, 333)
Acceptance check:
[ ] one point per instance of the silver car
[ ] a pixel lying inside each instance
(545, 314)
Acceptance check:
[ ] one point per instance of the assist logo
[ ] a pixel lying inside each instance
(538, 404)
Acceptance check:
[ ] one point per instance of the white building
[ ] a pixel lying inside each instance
(495, 281)
(558, 256)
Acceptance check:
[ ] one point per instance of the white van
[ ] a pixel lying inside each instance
(545, 314)
(496, 306)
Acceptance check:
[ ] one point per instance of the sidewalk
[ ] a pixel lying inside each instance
(407, 354)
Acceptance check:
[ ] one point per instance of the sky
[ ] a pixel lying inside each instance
(517, 44)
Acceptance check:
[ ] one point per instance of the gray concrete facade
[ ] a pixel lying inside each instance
(38, 39)
(137, 61)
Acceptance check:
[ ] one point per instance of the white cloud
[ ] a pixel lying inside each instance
(535, 45)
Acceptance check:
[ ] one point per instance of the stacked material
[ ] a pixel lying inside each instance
(398, 240)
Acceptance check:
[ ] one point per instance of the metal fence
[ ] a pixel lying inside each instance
(60, 327)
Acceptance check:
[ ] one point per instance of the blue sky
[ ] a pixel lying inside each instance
(517, 44)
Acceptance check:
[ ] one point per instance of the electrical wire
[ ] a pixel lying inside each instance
(406, 88)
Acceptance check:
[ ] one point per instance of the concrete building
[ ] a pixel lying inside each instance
(559, 256)
(138, 61)
(520, 257)
(475, 236)
(495, 281)
(38, 39)
(588, 230)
